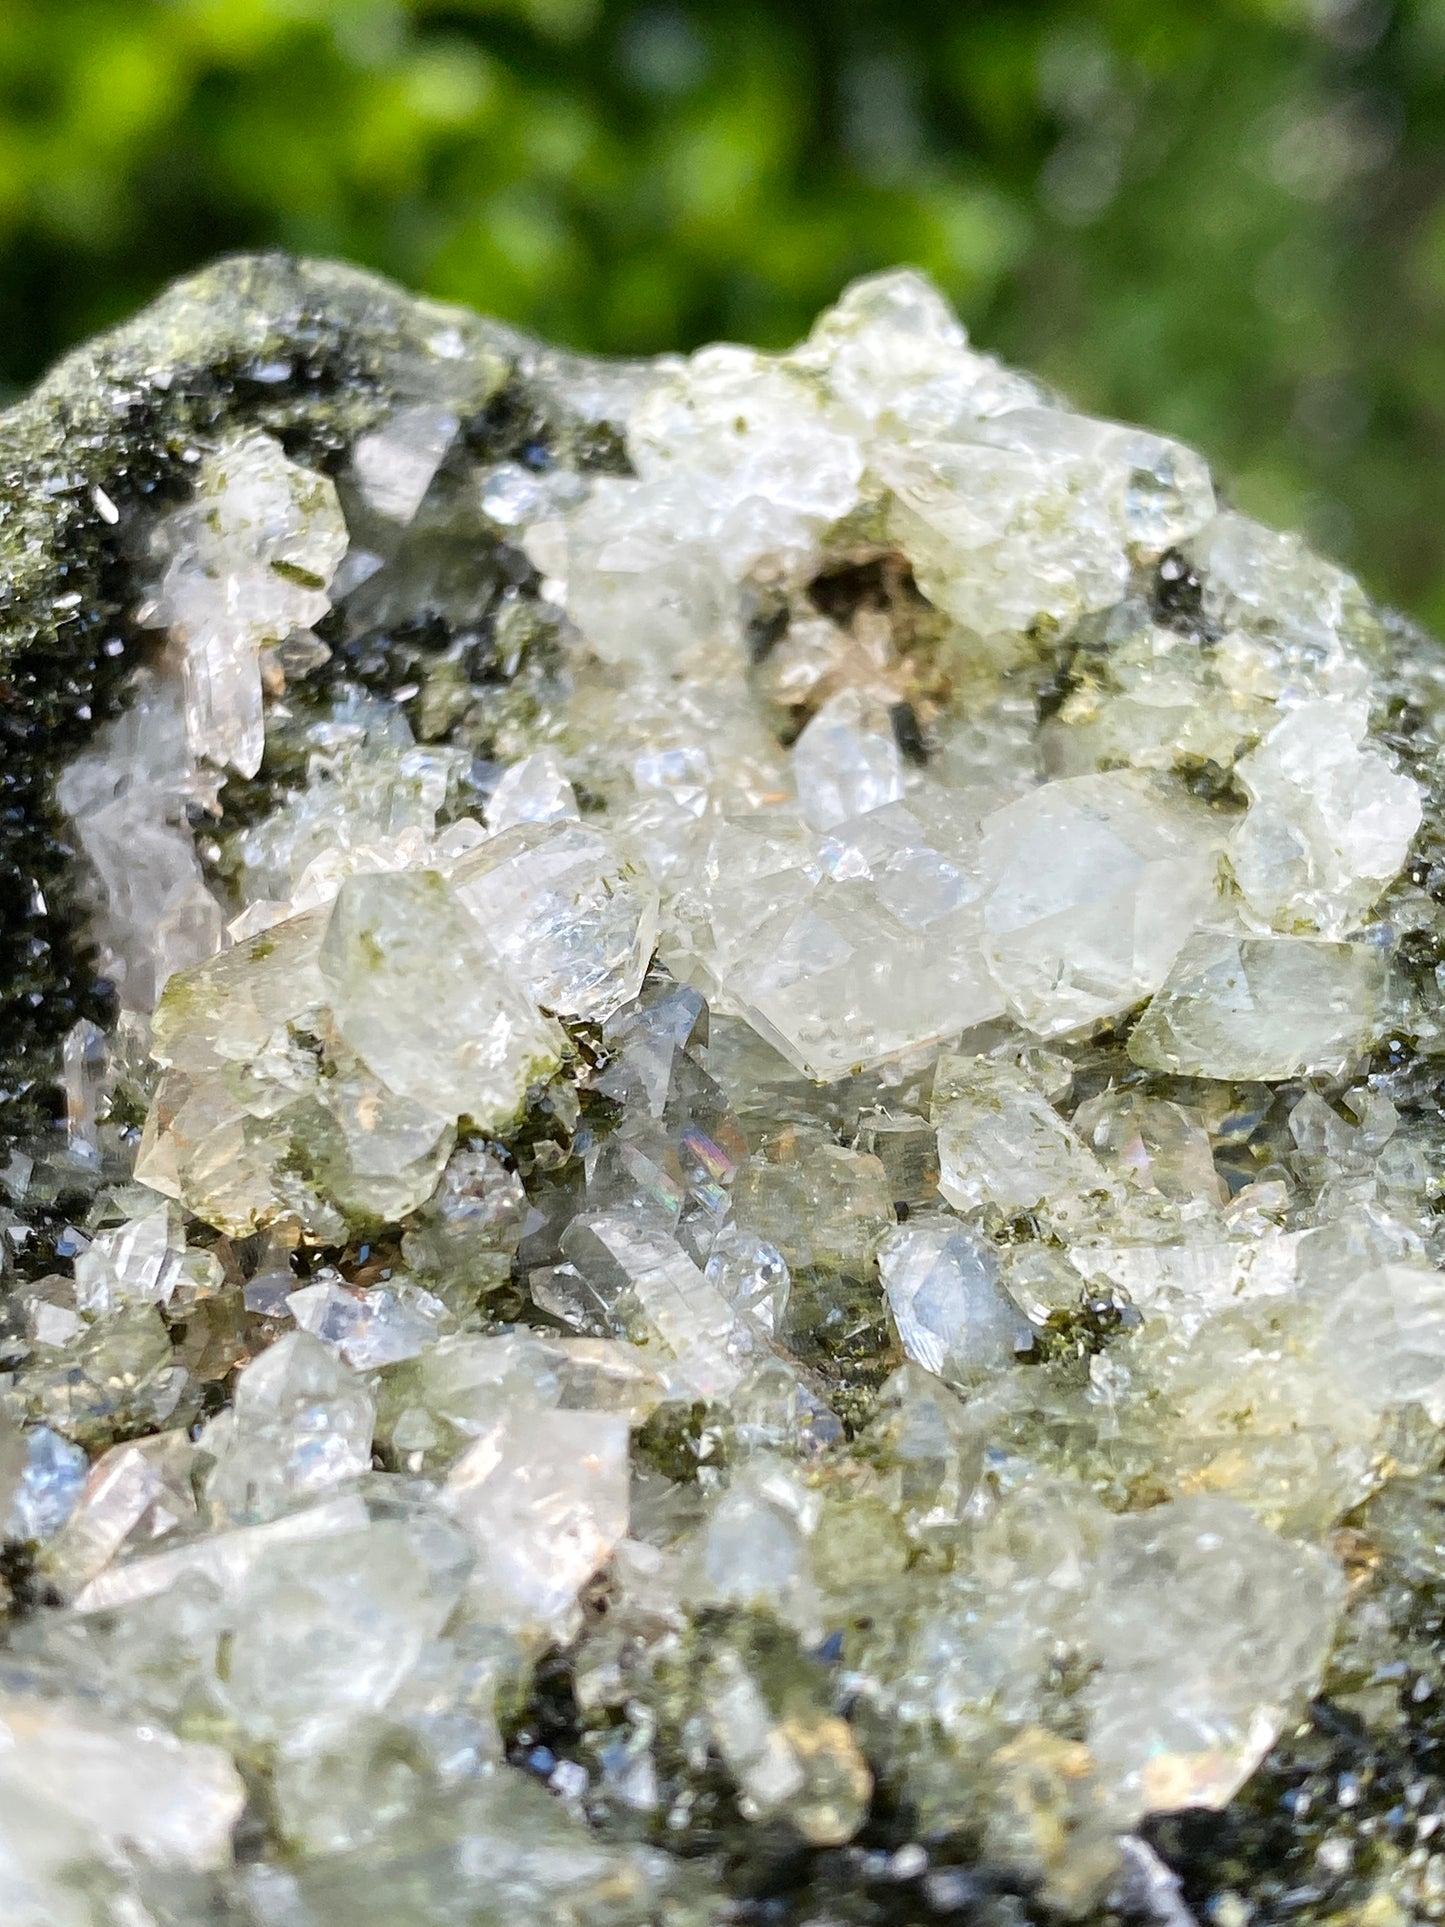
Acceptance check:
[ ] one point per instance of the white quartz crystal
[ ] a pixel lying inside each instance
(1028, 519)
(535, 790)
(370, 1025)
(426, 1001)
(735, 462)
(220, 1558)
(135, 1493)
(1386, 1329)
(896, 359)
(122, 1788)
(377, 1327)
(877, 955)
(1001, 1142)
(846, 762)
(570, 918)
(395, 464)
(544, 1494)
(139, 1261)
(129, 796)
(301, 1424)
(1268, 583)
(327, 1631)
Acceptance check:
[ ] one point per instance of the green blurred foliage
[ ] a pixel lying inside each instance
(1227, 220)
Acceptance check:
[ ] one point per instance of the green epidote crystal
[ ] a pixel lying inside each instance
(724, 1148)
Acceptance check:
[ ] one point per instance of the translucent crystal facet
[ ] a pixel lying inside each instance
(1171, 1720)
(1095, 884)
(1267, 1007)
(944, 1289)
(420, 995)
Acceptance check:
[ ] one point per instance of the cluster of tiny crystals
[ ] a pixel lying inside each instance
(768, 1211)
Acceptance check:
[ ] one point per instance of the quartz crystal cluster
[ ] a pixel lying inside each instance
(761, 1238)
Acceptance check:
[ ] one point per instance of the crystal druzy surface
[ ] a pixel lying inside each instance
(724, 1148)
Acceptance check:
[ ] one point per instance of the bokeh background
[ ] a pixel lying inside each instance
(1222, 217)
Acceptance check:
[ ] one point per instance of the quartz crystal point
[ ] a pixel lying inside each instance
(944, 1290)
(1002, 1144)
(353, 1043)
(130, 798)
(244, 564)
(1265, 1007)
(1094, 884)
(770, 1182)
(544, 1493)
(1329, 821)
(1174, 1724)
(536, 790)
(394, 464)
(415, 989)
(572, 922)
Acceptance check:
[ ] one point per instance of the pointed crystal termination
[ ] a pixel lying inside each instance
(131, 795)
(245, 563)
(944, 1289)
(572, 920)
(1096, 882)
(536, 790)
(395, 464)
(1002, 1144)
(1329, 822)
(344, 1044)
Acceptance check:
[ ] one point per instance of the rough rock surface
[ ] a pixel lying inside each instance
(722, 1145)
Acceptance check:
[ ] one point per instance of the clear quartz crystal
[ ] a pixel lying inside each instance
(545, 1496)
(846, 762)
(1001, 1142)
(130, 795)
(1094, 884)
(1266, 1007)
(944, 1290)
(139, 1261)
(245, 563)
(572, 920)
(1329, 821)
(174, 1803)
(636, 1269)
(535, 790)
(302, 1423)
(418, 992)
(49, 1488)
(134, 1492)
(1214, 1629)
(799, 1096)
(395, 463)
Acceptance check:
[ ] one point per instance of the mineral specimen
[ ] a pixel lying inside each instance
(723, 1173)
